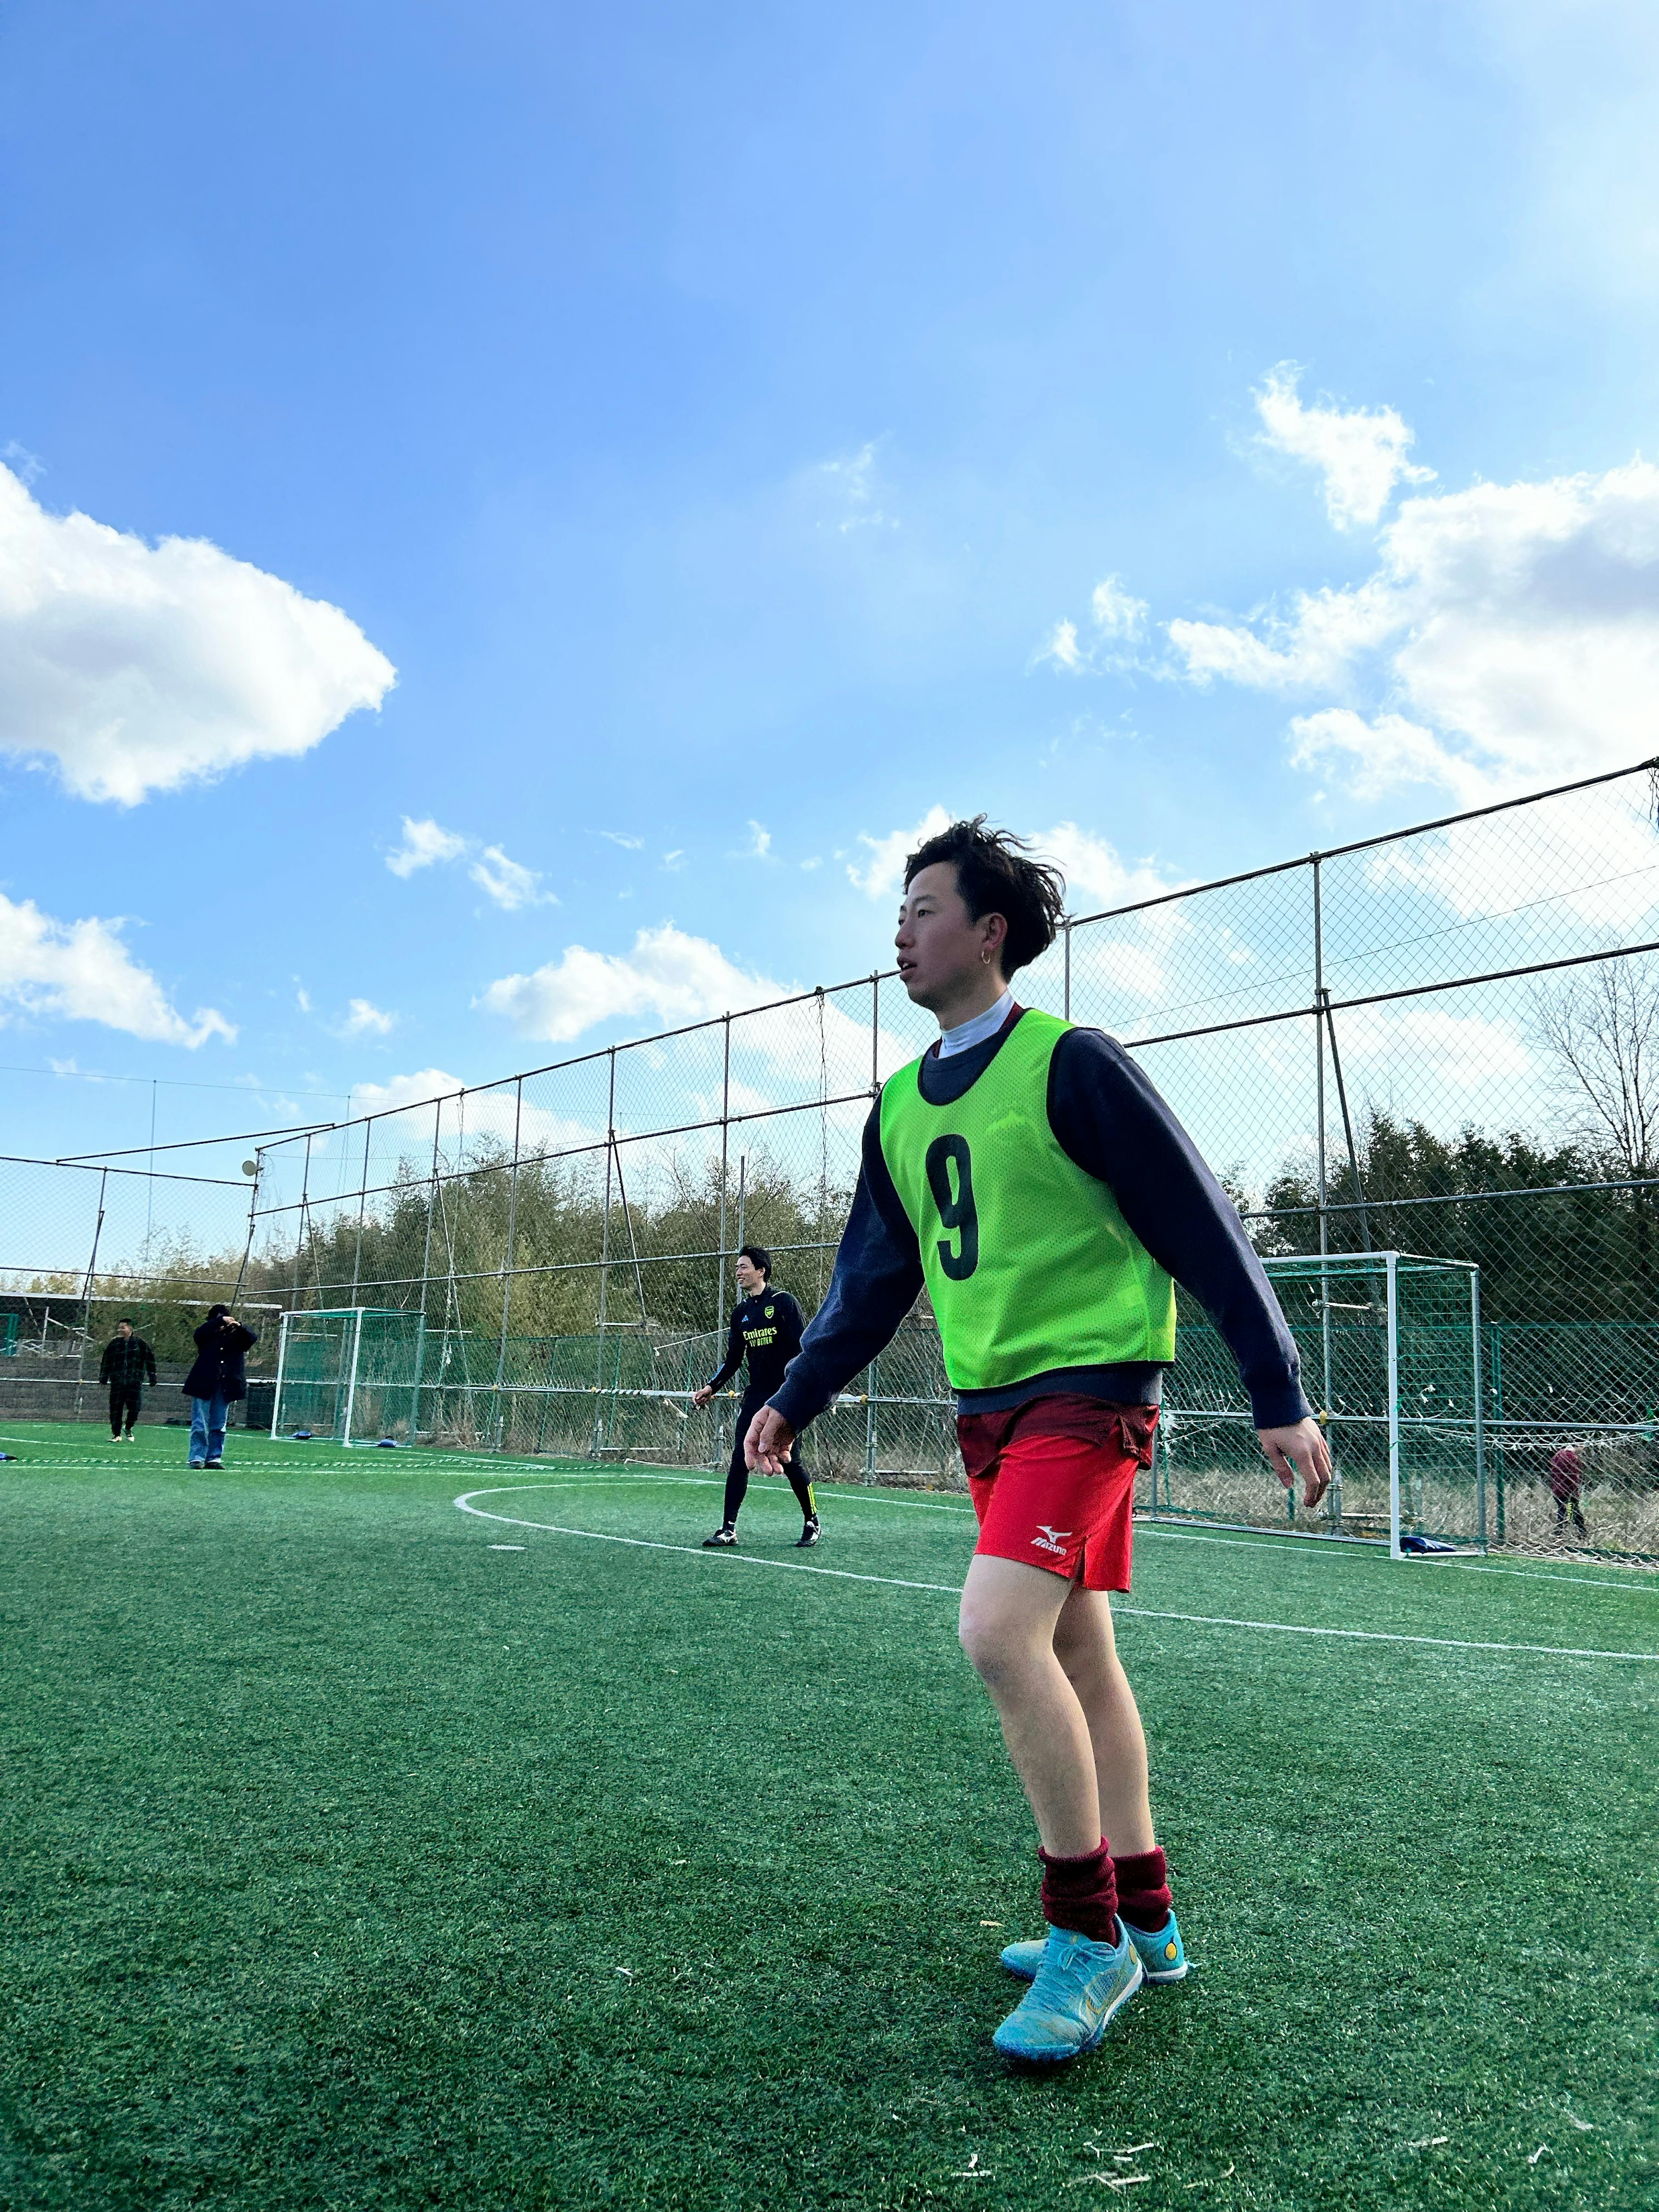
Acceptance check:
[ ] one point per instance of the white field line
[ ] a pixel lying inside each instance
(1583, 1581)
(465, 1504)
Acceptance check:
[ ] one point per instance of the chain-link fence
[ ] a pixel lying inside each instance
(1444, 1040)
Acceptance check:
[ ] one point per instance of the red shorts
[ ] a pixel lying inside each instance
(1053, 1483)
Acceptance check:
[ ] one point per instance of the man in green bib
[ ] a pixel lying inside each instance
(1027, 1175)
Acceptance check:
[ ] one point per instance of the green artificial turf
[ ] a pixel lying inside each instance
(350, 1861)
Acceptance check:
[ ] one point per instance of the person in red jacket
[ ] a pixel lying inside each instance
(1566, 1482)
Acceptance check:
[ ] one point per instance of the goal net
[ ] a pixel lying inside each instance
(351, 1373)
(1390, 1350)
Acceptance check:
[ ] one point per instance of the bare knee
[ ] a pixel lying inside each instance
(998, 1649)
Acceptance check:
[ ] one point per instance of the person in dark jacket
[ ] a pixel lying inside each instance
(127, 1364)
(217, 1379)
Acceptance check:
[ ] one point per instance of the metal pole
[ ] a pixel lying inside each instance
(725, 1131)
(282, 1363)
(1497, 1416)
(351, 1386)
(1325, 1413)
(363, 1203)
(1347, 1125)
(1480, 1412)
(300, 1240)
(1065, 928)
(506, 1265)
(1391, 1261)
(605, 1256)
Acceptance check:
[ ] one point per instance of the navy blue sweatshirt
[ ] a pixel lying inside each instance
(1112, 1124)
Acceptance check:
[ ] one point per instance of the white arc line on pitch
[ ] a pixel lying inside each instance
(693, 1550)
(951, 1590)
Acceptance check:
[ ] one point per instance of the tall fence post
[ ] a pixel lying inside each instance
(362, 1205)
(1066, 927)
(1480, 1411)
(300, 1236)
(506, 1266)
(1323, 1194)
(1391, 1259)
(604, 1254)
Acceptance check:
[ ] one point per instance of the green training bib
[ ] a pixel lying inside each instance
(1029, 1262)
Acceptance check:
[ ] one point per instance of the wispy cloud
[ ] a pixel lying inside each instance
(855, 491)
(628, 844)
(364, 1018)
(1359, 452)
(424, 845)
(507, 882)
(1117, 625)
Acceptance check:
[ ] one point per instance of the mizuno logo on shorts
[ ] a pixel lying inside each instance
(1050, 1539)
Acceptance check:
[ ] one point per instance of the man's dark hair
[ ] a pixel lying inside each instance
(758, 1256)
(217, 1313)
(996, 875)
(128, 1320)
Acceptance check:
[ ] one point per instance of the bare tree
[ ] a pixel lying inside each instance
(1603, 1028)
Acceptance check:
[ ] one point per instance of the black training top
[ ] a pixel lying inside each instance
(765, 1331)
(1113, 1124)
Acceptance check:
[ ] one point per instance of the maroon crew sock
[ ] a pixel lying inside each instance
(1081, 1894)
(1143, 1889)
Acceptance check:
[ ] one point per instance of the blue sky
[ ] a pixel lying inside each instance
(744, 431)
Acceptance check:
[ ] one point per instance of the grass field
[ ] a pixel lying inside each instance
(351, 1860)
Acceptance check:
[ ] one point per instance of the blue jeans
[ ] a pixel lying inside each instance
(207, 1428)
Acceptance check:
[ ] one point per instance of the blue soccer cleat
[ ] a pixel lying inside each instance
(1078, 1987)
(1162, 1955)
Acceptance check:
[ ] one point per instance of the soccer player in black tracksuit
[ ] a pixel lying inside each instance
(765, 1331)
(127, 1364)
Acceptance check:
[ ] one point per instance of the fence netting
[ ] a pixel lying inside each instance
(1441, 1042)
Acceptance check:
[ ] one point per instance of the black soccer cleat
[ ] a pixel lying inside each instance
(809, 1535)
(723, 1539)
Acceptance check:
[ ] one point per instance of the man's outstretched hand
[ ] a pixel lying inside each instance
(1301, 1450)
(765, 1446)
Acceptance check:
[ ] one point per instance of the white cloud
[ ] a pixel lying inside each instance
(496, 1115)
(1359, 452)
(301, 997)
(1509, 637)
(363, 1019)
(1062, 648)
(628, 844)
(510, 884)
(1120, 621)
(760, 842)
(1375, 757)
(1117, 614)
(139, 668)
(81, 971)
(882, 875)
(856, 496)
(670, 977)
(1462, 1051)
(424, 844)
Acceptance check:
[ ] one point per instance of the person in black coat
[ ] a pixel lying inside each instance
(127, 1364)
(215, 1382)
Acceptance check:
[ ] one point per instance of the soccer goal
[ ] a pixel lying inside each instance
(351, 1373)
(1390, 1350)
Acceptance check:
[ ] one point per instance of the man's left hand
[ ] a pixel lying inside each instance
(765, 1446)
(1301, 1450)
